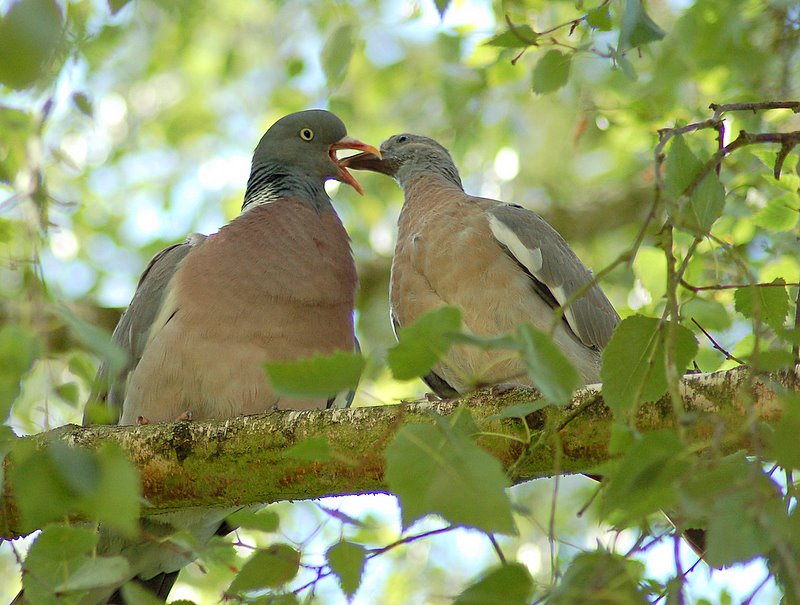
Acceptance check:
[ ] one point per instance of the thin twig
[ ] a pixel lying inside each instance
(719, 109)
(757, 589)
(409, 539)
(515, 30)
(377, 552)
(689, 286)
(497, 548)
(672, 313)
(716, 345)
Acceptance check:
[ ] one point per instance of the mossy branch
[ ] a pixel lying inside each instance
(243, 460)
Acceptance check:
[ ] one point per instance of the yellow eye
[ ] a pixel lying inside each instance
(306, 134)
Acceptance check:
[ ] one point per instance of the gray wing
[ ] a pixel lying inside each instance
(555, 268)
(131, 332)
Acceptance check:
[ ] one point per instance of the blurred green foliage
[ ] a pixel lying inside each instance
(125, 127)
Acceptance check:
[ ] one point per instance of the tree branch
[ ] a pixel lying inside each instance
(243, 460)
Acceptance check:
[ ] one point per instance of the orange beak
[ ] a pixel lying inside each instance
(348, 142)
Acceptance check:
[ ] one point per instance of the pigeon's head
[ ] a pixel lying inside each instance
(405, 156)
(307, 142)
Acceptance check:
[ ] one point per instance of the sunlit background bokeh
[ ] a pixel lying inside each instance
(180, 93)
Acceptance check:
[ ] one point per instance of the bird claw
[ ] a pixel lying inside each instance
(504, 388)
(142, 420)
(432, 397)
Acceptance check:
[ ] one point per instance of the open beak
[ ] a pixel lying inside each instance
(350, 143)
(372, 162)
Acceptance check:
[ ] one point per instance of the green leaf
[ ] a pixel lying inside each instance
(770, 303)
(551, 72)
(116, 499)
(102, 485)
(601, 577)
(637, 28)
(347, 562)
(509, 584)
(633, 369)
(642, 481)
(650, 267)
(736, 501)
(319, 376)
(7, 229)
(441, 7)
(440, 470)
(70, 393)
(19, 348)
(336, 54)
(83, 103)
(782, 441)
(294, 67)
(310, 450)
(78, 468)
(267, 568)
(710, 314)
(31, 32)
(58, 551)
(599, 18)
(117, 5)
(18, 128)
(551, 372)
(286, 598)
(706, 202)
(622, 438)
(521, 36)
(95, 339)
(771, 360)
(96, 573)
(519, 410)
(423, 343)
(736, 531)
(486, 343)
(680, 167)
(780, 213)
(135, 594)
(265, 520)
(626, 66)
(41, 493)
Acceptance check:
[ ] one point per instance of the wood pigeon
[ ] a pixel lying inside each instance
(501, 264)
(277, 283)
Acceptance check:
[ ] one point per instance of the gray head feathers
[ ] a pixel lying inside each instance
(407, 156)
(297, 155)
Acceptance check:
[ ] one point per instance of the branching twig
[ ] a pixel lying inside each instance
(722, 108)
(692, 288)
(371, 554)
(572, 24)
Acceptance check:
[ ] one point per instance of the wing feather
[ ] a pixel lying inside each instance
(549, 260)
(131, 333)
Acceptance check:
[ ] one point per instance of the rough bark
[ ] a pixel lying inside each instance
(243, 460)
